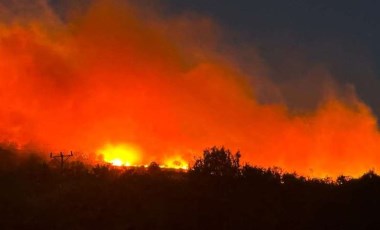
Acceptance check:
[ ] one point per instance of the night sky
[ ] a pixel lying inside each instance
(295, 36)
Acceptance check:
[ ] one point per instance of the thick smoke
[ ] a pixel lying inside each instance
(118, 74)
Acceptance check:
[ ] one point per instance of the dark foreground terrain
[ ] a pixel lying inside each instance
(217, 193)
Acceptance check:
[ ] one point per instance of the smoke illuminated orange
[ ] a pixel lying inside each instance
(119, 74)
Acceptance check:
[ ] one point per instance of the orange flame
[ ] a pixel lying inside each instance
(176, 163)
(116, 74)
(121, 155)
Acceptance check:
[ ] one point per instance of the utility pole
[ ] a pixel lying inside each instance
(61, 157)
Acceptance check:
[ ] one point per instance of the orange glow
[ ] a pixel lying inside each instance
(116, 162)
(120, 74)
(120, 155)
(176, 163)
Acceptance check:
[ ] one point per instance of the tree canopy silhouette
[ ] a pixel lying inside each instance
(217, 162)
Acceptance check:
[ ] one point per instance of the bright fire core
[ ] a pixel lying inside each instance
(121, 155)
(128, 155)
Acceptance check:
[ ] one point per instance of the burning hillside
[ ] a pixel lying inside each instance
(137, 87)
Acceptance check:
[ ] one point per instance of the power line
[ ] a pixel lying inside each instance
(61, 157)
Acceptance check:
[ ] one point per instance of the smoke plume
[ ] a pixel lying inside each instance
(112, 73)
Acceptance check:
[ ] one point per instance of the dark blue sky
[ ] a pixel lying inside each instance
(340, 35)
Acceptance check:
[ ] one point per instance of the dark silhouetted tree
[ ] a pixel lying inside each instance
(217, 162)
(154, 167)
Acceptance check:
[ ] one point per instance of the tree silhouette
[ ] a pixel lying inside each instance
(217, 162)
(154, 167)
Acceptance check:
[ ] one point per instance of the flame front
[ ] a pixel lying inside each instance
(128, 155)
(117, 74)
(121, 155)
(176, 163)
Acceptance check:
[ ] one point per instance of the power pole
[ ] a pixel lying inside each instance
(61, 157)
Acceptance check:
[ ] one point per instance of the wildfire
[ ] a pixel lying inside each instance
(130, 156)
(176, 163)
(113, 74)
(121, 155)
